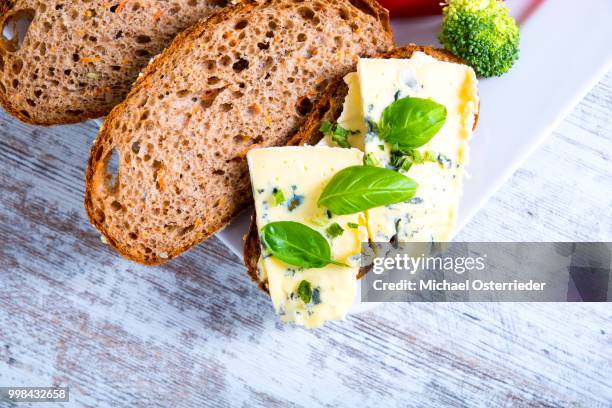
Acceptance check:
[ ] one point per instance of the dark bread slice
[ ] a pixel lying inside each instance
(247, 76)
(329, 108)
(79, 58)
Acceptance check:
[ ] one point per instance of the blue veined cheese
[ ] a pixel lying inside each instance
(432, 214)
(301, 173)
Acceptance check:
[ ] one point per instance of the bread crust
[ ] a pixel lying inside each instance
(146, 81)
(329, 108)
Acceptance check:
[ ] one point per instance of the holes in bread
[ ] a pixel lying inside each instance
(255, 109)
(183, 93)
(143, 39)
(142, 53)
(2, 88)
(15, 29)
(226, 107)
(241, 25)
(225, 60)
(116, 206)
(263, 46)
(111, 169)
(209, 97)
(241, 139)
(302, 37)
(344, 14)
(210, 65)
(186, 230)
(17, 66)
(240, 65)
(306, 13)
(304, 106)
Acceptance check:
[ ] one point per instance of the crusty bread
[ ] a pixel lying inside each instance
(79, 58)
(329, 108)
(246, 77)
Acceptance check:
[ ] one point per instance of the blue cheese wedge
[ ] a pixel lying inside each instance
(432, 214)
(287, 183)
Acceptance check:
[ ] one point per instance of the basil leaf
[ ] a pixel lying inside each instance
(359, 188)
(334, 230)
(304, 291)
(297, 244)
(411, 122)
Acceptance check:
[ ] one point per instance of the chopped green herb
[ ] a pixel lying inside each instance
(340, 137)
(406, 164)
(338, 134)
(326, 127)
(353, 225)
(430, 156)
(304, 291)
(417, 157)
(381, 147)
(370, 160)
(279, 196)
(403, 159)
(334, 230)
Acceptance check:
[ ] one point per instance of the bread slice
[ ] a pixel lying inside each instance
(329, 108)
(168, 168)
(78, 59)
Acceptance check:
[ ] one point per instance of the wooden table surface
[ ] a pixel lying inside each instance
(196, 332)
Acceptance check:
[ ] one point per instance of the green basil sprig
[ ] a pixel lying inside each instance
(411, 122)
(297, 244)
(359, 188)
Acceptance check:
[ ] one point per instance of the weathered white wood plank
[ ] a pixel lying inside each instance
(196, 332)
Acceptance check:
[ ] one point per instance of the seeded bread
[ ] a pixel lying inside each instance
(78, 59)
(168, 168)
(329, 108)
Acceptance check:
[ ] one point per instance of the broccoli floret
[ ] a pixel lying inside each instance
(482, 33)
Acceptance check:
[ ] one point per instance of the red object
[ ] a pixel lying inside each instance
(412, 8)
